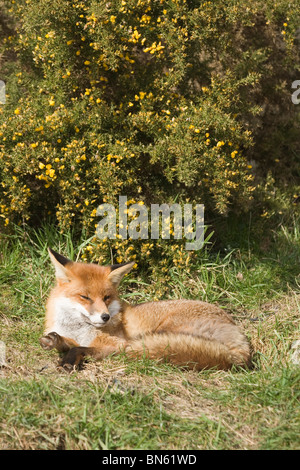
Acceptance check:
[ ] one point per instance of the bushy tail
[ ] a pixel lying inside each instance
(191, 351)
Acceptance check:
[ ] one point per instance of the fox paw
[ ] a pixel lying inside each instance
(73, 358)
(49, 341)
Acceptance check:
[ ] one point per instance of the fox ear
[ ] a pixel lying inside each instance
(118, 271)
(60, 263)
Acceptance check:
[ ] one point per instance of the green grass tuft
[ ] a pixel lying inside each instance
(143, 404)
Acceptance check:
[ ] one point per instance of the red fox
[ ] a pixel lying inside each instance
(85, 317)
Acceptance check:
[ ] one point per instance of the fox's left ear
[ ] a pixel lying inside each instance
(118, 271)
(60, 263)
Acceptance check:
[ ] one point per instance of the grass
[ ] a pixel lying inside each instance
(121, 404)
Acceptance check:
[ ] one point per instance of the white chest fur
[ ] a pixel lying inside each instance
(70, 321)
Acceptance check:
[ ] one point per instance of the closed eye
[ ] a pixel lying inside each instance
(85, 297)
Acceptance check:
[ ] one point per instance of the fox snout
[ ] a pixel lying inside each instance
(99, 319)
(102, 313)
(105, 317)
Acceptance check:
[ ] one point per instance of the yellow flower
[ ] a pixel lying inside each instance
(41, 166)
(154, 48)
(136, 35)
(17, 111)
(220, 143)
(51, 34)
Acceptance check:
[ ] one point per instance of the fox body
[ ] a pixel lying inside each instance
(85, 316)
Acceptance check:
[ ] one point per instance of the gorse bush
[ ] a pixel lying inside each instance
(157, 100)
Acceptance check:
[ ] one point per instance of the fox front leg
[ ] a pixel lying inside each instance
(54, 341)
(103, 346)
(74, 357)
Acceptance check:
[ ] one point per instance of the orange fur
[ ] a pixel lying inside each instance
(86, 317)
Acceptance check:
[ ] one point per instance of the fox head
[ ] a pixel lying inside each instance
(88, 290)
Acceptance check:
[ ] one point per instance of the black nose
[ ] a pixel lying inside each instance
(105, 317)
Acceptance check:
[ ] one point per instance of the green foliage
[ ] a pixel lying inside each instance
(152, 99)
